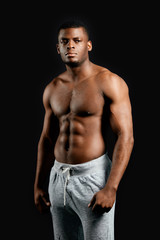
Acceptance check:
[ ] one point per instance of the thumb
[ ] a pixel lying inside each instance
(46, 199)
(92, 201)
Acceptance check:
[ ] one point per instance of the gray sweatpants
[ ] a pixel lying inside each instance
(71, 188)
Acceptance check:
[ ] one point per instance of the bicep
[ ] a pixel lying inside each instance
(47, 124)
(51, 124)
(121, 116)
(120, 107)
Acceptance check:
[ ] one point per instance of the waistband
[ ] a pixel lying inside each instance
(95, 165)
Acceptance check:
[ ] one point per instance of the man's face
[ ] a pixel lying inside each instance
(73, 45)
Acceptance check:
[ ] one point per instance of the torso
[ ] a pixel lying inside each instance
(80, 110)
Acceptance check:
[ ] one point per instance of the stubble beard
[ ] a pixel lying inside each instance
(74, 63)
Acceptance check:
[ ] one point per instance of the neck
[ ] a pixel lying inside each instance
(80, 71)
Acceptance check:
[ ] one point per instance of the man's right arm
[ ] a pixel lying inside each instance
(45, 156)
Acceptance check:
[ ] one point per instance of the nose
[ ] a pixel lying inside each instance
(70, 45)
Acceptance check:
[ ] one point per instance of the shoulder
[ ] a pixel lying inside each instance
(46, 95)
(111, 84)
(50, 88)
(49, 91)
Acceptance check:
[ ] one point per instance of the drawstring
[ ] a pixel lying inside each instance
(64, 170)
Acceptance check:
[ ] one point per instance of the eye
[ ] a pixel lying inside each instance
(64, 41)
(77, 40)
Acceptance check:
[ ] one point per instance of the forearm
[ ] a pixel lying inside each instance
(120, 159)
(45, 160)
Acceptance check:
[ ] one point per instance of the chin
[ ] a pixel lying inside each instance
(72, 64)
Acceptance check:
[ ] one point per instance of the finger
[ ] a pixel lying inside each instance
(92, 201)
(94, 207)
(43, 207)
(39, 207)
(45, 200)
(47, 203)
(107, 209)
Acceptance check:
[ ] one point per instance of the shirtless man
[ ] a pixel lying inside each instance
(79, 105)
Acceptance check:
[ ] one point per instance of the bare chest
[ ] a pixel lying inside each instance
(83, 99)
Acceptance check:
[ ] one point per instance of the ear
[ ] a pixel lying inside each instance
(89, 46)
(57, 46)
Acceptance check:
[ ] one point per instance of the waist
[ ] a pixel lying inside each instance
(78, 149)
(96, 165)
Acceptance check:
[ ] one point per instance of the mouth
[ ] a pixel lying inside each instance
(70, 54)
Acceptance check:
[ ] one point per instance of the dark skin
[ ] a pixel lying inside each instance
(76, 103)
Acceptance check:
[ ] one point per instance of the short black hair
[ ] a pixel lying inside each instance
(74, 24)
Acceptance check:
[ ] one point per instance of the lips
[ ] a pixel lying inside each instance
(71, 54)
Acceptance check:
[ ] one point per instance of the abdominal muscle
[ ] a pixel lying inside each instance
(80, 140)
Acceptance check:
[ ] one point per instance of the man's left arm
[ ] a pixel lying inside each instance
(121, 122)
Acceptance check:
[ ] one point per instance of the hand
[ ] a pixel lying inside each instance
(103, 201)
(41, 200)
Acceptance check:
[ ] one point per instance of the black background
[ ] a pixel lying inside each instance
(123, 42)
